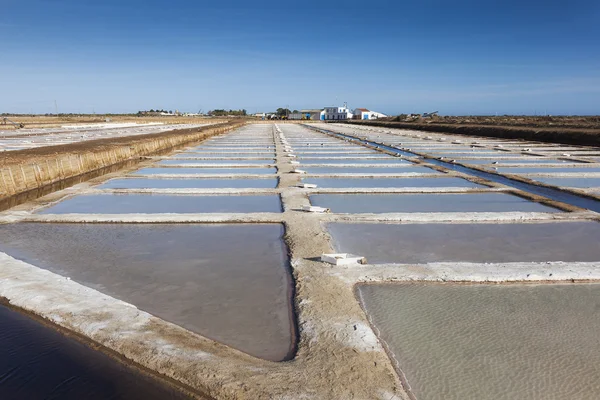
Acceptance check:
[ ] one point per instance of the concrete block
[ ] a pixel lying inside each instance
(315, 209)
(343, 259)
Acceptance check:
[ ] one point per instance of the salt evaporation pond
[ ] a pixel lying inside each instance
(528, 160)
(494, 342)
(207, 183)
(572, 182)
(483, 243)
(369, 170)
(542, 170)
(163, 203)
(205, 171)
(417, 202)
(208, 163)
(389, 160)
(230, 283)
(320, 156)
(390, 182)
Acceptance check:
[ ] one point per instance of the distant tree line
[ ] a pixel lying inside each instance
(224, 113)
(152, 111)
(283, 112)
(62, 114)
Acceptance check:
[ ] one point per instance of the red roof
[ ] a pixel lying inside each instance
(362, 109)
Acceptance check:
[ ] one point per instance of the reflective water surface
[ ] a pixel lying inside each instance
(387, 160)
(203, 171)
(206, 183)
(542, 170)
(418, 202)
(37, 362)
(208, 163)
(524, 160)
(228, 282)
(369, 170)
(163, 203)
(426, 243)
(571, 182)
(389, 182)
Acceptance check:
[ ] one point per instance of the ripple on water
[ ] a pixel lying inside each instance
(491, 342)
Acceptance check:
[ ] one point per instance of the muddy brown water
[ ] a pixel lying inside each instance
(162, 203)
(37, 362)
(491, 341)
(230, 283)
(417, 202)
(493, 243)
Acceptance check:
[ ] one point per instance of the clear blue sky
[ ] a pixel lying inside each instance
(458, 57)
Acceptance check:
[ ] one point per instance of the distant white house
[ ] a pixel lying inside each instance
(363, 113)
(337, 113)
(334, 114)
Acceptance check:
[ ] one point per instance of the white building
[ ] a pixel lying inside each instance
(337, 113)
(311, 114)
(363, 113)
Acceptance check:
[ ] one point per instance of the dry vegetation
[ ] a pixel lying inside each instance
(575, 122)
(568, 130)
(40, 121)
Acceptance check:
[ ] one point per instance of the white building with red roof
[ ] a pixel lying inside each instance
(364, 113)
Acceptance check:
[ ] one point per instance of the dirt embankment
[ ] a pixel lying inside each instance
(577, 122)
(588, 136)
(42, 121)
(25, 170)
